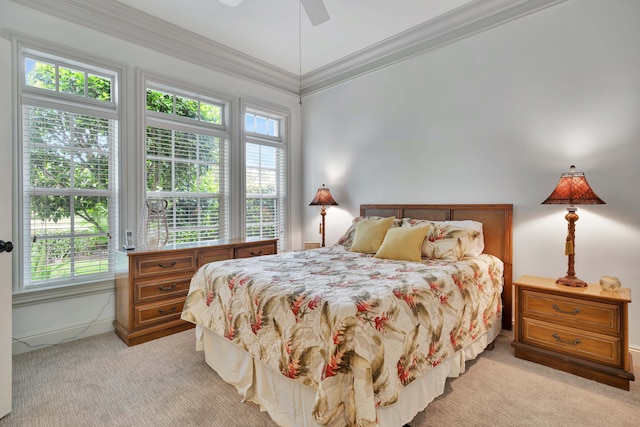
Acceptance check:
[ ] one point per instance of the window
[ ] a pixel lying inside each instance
(186, 153)
(70, 119)
(265, 176)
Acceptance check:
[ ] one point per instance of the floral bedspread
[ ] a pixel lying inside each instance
(356, 328)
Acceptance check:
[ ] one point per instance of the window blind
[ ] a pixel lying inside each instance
(189, 171)
(187, 161)
(70, 195)
(265, 178)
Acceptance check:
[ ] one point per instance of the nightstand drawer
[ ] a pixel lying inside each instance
(591, 315)
(257, 250)
(156, 265)
(158, 313)
(161, 289)
(596, 347)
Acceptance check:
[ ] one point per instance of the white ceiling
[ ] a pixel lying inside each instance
(269, 29)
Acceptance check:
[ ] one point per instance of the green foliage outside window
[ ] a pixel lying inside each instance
(184, 107)
(43, 75)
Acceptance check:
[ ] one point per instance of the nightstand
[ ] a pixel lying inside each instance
(583, 331)
(311, 245)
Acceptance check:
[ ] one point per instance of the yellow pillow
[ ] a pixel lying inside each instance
(370, 234)
(403, 244)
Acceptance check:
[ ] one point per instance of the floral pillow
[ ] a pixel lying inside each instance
(450, 240)
(347, 238)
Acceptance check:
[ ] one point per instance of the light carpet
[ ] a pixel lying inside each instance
(99, 381)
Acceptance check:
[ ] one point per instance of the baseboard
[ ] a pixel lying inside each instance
(42, 339)
(635, 353)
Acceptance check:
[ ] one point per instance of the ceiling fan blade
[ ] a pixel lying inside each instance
(316, 11)
(232, 3)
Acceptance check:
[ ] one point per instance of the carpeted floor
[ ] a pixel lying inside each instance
(99, 381)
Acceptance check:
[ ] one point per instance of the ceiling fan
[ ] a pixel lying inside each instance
(316, 11)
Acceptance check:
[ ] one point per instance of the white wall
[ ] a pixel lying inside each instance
(54, 321)
(496, 118)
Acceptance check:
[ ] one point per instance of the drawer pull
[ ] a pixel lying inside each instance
(173, 310)
(168, 288)
(161, 265)
(557, 337)
(574, 312)
(256, 253)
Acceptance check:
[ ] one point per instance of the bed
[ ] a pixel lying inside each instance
(332, 336)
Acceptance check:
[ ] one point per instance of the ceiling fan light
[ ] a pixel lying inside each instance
(316, 11)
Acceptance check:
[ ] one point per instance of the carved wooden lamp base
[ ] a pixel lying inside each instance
(570, 279)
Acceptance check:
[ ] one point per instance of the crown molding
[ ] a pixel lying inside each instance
(130, 24)
(122, 21)
(462, 22)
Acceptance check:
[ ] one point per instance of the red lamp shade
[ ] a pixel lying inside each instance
(572, 189)
(323, 198)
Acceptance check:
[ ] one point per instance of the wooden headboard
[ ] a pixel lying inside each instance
(496, 225)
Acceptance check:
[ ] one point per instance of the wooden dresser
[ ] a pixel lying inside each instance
(151, 286)
(583, 331)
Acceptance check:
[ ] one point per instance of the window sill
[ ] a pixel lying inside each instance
(26, 298)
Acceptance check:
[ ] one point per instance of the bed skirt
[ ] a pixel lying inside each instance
(290, 403)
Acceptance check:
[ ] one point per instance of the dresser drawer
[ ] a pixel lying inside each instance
(165, 311)
(583, 314)
(596, 347)
(257, 250)
(214, 254)
(161, 289)
(164, 264)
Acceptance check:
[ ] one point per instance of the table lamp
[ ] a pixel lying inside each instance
(572, 189)
(323, 198)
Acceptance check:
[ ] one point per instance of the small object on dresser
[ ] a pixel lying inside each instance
(609, 283)
(128, 241)
(153, 231)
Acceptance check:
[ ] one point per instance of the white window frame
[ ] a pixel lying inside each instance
(222, 131)
(113, 110)
(281, 141)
